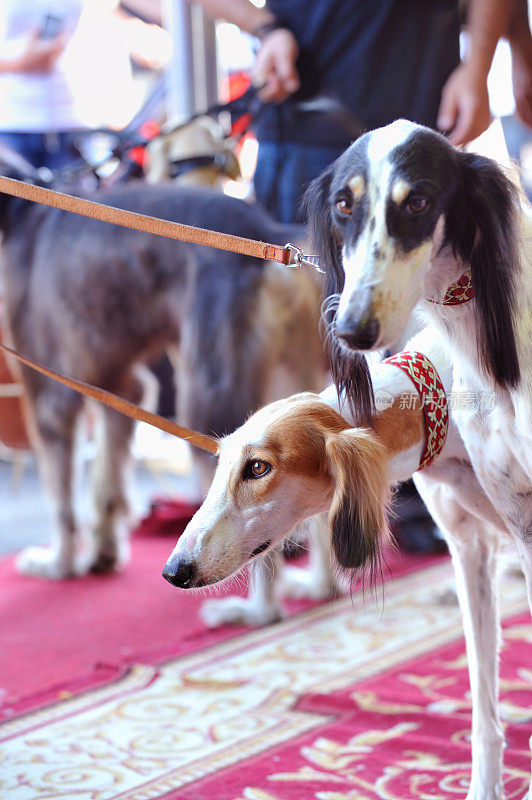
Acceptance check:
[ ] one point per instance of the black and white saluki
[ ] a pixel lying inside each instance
(403, 220)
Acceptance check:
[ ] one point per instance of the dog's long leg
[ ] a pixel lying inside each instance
(525, 554)
(109, 497)
(53, 414)
(524, 548)
(261, 607)
(319, 580)
(270, 577)
(474, 545)
(474, 561)
(264, 586)
(109, 484)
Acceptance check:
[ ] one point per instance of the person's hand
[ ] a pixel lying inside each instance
(464, 108)
(275, 66)
(522, 80)
(39, 55)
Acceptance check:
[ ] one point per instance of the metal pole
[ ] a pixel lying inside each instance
(205, 59)
(177, 18)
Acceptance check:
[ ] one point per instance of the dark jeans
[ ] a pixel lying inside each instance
(283, 173)
(52, 150)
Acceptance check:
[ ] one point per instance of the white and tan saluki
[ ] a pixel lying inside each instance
(298, 457)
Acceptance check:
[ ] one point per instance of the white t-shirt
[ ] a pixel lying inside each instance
(90, 84)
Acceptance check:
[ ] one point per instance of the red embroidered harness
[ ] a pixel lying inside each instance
(425, 378)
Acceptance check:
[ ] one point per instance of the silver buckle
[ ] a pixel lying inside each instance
(298, 258)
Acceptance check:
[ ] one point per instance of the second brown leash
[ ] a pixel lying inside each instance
(289, 255)
(201, 440)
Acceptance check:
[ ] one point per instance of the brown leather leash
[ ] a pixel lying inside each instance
(201, 440)
(290, 255)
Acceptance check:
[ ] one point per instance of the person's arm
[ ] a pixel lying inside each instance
(39, 55)
(275, 64)
(464, 108)
(147, 10)
(242, 13)
(520, 41)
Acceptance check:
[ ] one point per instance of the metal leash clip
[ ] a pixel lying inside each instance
(298, 258)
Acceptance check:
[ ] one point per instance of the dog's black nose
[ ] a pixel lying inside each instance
(360, 337)
(179, 573)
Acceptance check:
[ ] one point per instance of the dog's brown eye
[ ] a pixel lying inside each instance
(416, 204)
(259, 468)
(256, 468)
(344, 207)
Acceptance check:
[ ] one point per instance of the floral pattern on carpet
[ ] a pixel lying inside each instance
(361, 699)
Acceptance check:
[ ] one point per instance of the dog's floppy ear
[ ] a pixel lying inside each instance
(481, 228)
(324, 238)
(349, 369)
(358, 514)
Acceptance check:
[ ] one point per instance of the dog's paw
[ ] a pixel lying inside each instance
(235, 610)
(446, 597)
(111, 558)
(304, 584)
(487, 793)
(44, 562)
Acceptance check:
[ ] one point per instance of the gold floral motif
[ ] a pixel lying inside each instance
(256, 794)
(160, 729)
(521, 632)
(424, 774)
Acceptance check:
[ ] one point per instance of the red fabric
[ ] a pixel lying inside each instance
(69, 635)
(166, 517)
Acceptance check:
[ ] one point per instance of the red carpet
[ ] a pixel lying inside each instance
(343, 701)
(403, 735)
(78, 633)
(87, 632)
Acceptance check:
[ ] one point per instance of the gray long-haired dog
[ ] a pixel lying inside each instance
(95, 301)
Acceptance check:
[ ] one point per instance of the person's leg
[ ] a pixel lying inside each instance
(284, 171)
(303, 164)
(297, 165)
(58, 150)
(28, 145)
(266, 177)
(53, 150)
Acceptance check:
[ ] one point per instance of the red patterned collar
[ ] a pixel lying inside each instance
(457, 293)
(423, 375)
